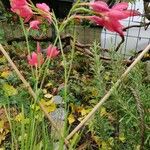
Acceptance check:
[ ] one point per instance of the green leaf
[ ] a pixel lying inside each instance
(9, 90)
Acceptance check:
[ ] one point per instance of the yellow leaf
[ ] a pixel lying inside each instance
(3, 131)
(95, 92)
(71, 119)
(48, 84)
(122, 137)
(97, 140)
(103, 111)
(48, 96)
(85, 111)
(9, 90)
(5, 74)
(1, 124)
(19, 117)
(44, 91)
(3, 60)
(2, 137)
(50, 106)
(107, 76)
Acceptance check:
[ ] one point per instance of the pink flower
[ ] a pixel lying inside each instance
(45, 11)
(43, 7)
(34, 24)
(109, 23)
(21, 8)
(52, 51)
(110, 17)
(36, 59)
(33, 59)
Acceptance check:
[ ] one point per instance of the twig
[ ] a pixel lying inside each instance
(107, 95)
(31, 38)
(27, 85)
(121, 42)
(136, 26)
(141, 114)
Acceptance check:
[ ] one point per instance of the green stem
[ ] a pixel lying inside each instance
(45, 73)
(26, 35)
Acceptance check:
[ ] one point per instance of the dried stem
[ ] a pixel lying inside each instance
(107, 95)
(27, 85)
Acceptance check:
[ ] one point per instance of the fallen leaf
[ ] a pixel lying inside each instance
(48, 96)
(49, 105)
(71, 119)
(5, 74)
(103, 111)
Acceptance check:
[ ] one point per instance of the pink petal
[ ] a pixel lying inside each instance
(132, 13)
(34, 24)
(52, 51)
(99, 6)
(29, 60)
(110, 24)
(120, 6)
(97, 20)
(21, 8)
(114, 26)
(17, 3)
(34, 58)
(43, 7)
(117, 14)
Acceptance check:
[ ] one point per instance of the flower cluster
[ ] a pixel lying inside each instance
(37, 59)
(110, 17)
(23, 9)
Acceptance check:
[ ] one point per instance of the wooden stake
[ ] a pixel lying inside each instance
(27, 85)
(109, 93)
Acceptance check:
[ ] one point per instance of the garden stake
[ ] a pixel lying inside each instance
(27, 85)
(107, 95)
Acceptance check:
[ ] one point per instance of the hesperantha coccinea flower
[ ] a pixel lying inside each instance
(110, 17)
(36, 58)
(52, 51)
(35, 24)
(44, 10)
(21, 8)
(24, 10)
